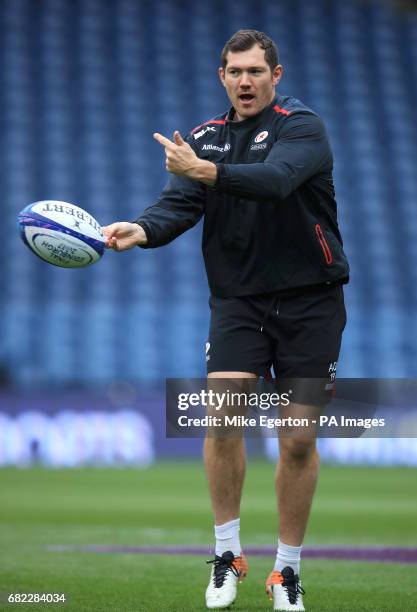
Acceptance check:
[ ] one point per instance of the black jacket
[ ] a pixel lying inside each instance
(270, 221)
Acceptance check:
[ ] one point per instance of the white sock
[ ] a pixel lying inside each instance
(288, 556)
(227, 537)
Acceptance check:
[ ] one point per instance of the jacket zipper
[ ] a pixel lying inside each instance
(324, 245)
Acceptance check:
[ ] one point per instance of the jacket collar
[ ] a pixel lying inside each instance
(250, 121)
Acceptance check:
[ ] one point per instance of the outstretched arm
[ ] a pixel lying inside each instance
(179, 207)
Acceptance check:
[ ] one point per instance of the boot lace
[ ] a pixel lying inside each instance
(293, 588)
(223, 565)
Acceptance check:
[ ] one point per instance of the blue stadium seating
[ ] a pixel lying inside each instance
(83, 87)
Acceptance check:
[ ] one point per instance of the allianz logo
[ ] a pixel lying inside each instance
(210, 147)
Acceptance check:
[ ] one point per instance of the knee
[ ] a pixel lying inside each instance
(224, 446)
(298, 450)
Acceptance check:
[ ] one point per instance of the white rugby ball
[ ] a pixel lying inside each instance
(62, 234)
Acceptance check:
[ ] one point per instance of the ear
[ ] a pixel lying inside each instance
(277, 74)
(222, 75)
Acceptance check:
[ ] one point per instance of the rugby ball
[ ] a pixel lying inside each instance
(62, 234)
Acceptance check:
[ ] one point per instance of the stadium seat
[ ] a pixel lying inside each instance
(84, 86)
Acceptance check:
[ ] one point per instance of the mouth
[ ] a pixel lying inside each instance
(246, 98)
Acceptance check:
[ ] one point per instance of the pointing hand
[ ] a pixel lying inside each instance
(180, 157)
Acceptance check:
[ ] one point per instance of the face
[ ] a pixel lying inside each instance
(249, 82)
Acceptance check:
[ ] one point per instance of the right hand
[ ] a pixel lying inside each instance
(124, 235)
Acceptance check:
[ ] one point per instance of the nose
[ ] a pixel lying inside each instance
(245, 80)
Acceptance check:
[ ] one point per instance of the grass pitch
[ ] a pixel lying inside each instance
(168, 504)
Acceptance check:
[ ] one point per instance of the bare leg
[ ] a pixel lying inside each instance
(296, 479)
(225, 467)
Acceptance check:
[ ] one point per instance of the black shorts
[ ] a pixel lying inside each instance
(298, 333)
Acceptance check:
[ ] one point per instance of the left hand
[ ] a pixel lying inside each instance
(180, 157)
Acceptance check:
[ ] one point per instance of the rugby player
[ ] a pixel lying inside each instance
(261, 175)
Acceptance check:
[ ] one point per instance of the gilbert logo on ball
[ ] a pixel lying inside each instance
(62, 234)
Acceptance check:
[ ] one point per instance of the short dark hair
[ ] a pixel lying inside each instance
(243, 40)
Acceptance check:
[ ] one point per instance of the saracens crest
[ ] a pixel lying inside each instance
(261, 136)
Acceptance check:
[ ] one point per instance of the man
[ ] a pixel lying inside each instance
(261, 174)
